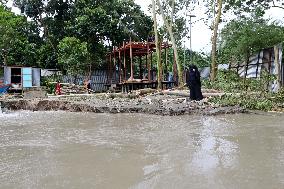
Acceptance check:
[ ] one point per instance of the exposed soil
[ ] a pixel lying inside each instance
(159, 104)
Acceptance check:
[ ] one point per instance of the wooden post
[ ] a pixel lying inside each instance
(148, 65)
(131, 61)
(151, 67)
(166, 60)
(110, 68)
(124, 60)
(120, 73)
(108, 65)
(140, 68)
(114, 63)
(175, 71)
(160, 67)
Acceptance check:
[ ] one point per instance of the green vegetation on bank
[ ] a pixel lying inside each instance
(252, 94)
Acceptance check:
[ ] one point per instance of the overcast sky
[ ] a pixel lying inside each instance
(200, 33)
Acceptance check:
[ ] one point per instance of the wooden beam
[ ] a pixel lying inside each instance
(131, 61)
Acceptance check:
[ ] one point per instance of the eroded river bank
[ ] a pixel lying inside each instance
(85, 150)
(149, 104)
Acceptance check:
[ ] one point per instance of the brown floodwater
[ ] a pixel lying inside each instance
(50, 150)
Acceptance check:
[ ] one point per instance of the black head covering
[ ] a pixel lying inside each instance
(195, 67)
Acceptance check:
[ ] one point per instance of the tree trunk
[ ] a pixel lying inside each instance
(45, 30)
(170, 31)
(214, 41)
(161, 68)
(157, 45)
(277, 67)
(90, 72)
(5, 58)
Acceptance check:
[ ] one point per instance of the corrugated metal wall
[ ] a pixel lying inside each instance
(99, 80)
(7, 75)
(36, 77)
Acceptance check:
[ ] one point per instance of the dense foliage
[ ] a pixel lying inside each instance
(73, 55)
(242, 38)
(256, 101)
(98, 24)
(18, 39)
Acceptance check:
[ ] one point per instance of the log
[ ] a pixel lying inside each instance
(186, 94)
(145, 91)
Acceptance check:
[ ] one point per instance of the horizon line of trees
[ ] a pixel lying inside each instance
(75, 36)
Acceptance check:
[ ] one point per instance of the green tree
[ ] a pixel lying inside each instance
(96, 22)
(242, 38)
(73, 55)
(216, 9)
(18, 39)
(112, 21)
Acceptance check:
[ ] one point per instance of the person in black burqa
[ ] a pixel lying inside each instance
(194, 83)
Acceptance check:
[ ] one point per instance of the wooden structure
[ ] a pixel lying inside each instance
(121, 66)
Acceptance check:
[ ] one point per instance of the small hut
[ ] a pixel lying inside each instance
(121, 66)
(21, 77)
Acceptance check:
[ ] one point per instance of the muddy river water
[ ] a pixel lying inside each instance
(50, 150)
